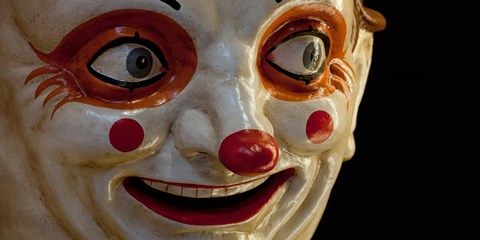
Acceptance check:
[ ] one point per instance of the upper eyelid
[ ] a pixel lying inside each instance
(309, 32)
(124, 40)
(157, 52)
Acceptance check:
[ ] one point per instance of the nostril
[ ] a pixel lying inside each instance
(249, 152)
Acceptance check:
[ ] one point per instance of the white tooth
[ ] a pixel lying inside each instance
(218, 192)
(159, 186)
(257, 183)
(231, 191)
(204, 192)
(148, 182)
(175, 190)
(248, 186)
(234, 190)
(189, 192)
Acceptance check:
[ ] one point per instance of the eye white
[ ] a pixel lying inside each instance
(113, 63)
(302, 55)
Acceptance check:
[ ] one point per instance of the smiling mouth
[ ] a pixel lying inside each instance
(206, 205)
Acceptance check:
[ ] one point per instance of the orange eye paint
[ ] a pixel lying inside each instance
(124, 59)
(312, 70)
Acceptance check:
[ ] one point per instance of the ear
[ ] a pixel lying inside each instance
(362, 57)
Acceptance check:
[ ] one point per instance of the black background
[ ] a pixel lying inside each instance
(400, 182)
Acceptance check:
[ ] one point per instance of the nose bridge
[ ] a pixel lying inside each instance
(237, 108)
(235, 90)
(229, 55)
(229, 95)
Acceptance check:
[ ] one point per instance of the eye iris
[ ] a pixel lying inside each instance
(311, 55)
(139, 62)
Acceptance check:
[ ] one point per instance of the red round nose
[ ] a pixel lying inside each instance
(249, 152)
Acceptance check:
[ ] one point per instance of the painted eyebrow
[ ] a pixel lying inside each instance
(176, 5)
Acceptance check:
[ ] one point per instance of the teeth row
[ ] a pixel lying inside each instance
(204, 192)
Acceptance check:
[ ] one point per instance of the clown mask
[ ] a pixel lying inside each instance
(164, 119)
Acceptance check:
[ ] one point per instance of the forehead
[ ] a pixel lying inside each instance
(245, 16)
(46, 22)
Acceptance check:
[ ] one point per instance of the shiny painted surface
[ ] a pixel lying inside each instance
(249, 152)
(85, 56)
(113, 116)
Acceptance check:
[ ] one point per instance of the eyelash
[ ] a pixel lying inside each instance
(62, 79)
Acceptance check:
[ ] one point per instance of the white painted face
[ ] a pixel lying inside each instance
(154, 119)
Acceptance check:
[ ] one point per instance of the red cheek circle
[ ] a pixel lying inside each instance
(319, 126)
(126, 135)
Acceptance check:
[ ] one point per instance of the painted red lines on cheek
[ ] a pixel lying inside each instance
(126, 135)
(319, 126)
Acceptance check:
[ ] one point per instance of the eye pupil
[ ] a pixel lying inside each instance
(311, 55)
(139, 62)
(142, 62)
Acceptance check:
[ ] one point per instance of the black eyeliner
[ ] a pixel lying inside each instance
(174, 4)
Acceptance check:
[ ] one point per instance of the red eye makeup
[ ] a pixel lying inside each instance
(124, 59)
(301, 53)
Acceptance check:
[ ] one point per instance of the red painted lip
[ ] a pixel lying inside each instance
(207, 211)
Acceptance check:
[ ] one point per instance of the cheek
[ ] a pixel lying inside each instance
(308, 126)
(85, 135)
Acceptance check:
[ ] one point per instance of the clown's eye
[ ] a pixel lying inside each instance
(301, 56)
(129, 62)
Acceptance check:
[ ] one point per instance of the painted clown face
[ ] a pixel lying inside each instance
(158, 119)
